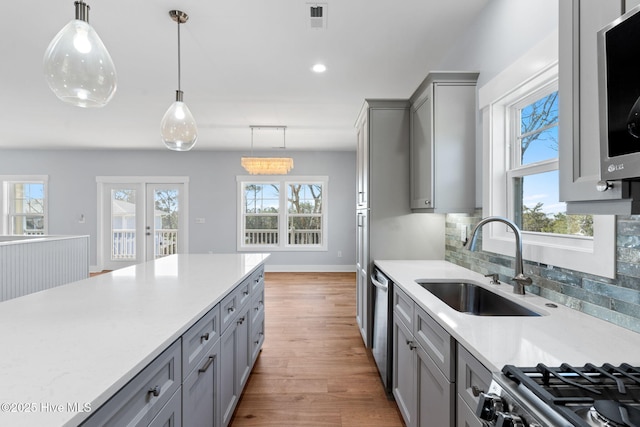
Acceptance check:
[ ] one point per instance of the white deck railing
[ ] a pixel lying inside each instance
(270, 237)
(124, 243)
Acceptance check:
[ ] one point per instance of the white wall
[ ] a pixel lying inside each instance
(212, 194)
(501, 33)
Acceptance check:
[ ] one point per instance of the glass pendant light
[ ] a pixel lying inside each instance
(77, 65)
(178, 127)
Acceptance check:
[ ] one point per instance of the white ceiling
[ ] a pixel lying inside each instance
(244, 62)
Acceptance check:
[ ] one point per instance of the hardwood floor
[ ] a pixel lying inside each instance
(314, 369)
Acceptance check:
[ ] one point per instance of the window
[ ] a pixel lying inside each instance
(520, 119)
(24, 205)
(282, 213)
(533, 172)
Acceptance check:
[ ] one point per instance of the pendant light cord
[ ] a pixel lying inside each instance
(178, 21)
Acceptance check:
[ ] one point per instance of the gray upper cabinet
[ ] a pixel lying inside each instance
(580, 21)
(443, 141)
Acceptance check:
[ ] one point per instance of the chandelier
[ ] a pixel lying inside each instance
(268, 165)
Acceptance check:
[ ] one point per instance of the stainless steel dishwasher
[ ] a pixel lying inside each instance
(382, 314)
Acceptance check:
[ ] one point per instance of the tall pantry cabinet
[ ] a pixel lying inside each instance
(386, 226)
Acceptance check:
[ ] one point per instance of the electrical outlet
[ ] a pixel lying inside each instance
(339, 254)
(463, 233)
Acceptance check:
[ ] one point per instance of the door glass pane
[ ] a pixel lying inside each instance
(537, 207)
(165, 222)
(123, 224)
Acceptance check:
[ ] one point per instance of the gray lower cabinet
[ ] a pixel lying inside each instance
(424, 393)
(171, 414)
(235, 362)
(138, 402)
(404, 360)
(200, 391)
(197, 380)
(435, 379)
(472, 377)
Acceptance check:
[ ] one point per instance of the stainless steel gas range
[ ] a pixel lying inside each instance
(565, 396)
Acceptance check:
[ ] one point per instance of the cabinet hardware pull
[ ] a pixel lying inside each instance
(411, 345)
(204, 337)
(155, 391)
(476, 391)
(245, 293)
(241, 320)
(231, 309)
(206, 365)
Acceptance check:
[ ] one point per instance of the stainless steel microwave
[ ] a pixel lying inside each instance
(619, 92)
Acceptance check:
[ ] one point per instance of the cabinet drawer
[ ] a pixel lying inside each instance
(471, 373)
(257, 336)
(438, 344)
(244, 291)
(138, 402)
(199, 339)
(403, 306)
(229, 309)
(257, 305)
(257, 279)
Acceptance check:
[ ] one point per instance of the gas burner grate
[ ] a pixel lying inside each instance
(566, 388)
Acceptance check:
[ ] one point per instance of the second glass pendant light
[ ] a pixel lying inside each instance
(178, 127)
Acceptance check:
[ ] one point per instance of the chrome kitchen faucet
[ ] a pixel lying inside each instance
(520, 279)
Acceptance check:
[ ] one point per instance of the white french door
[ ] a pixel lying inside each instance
(141, 221)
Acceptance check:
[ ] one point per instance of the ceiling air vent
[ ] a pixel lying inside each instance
(317, 16)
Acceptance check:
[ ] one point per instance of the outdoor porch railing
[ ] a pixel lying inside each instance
(124, 243)
(295, 237)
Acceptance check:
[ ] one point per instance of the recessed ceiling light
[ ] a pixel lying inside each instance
(319, 68)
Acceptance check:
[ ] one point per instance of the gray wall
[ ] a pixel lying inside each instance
(212, 194)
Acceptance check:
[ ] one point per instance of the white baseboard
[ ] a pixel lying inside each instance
(309, 268)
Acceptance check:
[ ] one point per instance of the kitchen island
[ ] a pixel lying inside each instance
(67, 350)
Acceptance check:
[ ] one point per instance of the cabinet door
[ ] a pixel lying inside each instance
(436, 395)
(422, 152)
(171, 414)
(243, 347)
(362, 160)
(403, 378)
(465, 416)
(579, 131)
(229, 391)
(257, 337)
(200, 391)
(362, 275)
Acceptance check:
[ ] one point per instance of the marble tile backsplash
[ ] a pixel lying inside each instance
(614, 300)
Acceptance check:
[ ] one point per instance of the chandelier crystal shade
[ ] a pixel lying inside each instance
(77, 65)
(178, 127)
(267, 165)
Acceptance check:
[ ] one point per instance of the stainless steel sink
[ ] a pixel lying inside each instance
(473, 299)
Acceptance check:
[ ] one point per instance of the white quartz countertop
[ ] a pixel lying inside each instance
(560, 335)
(80, 343)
